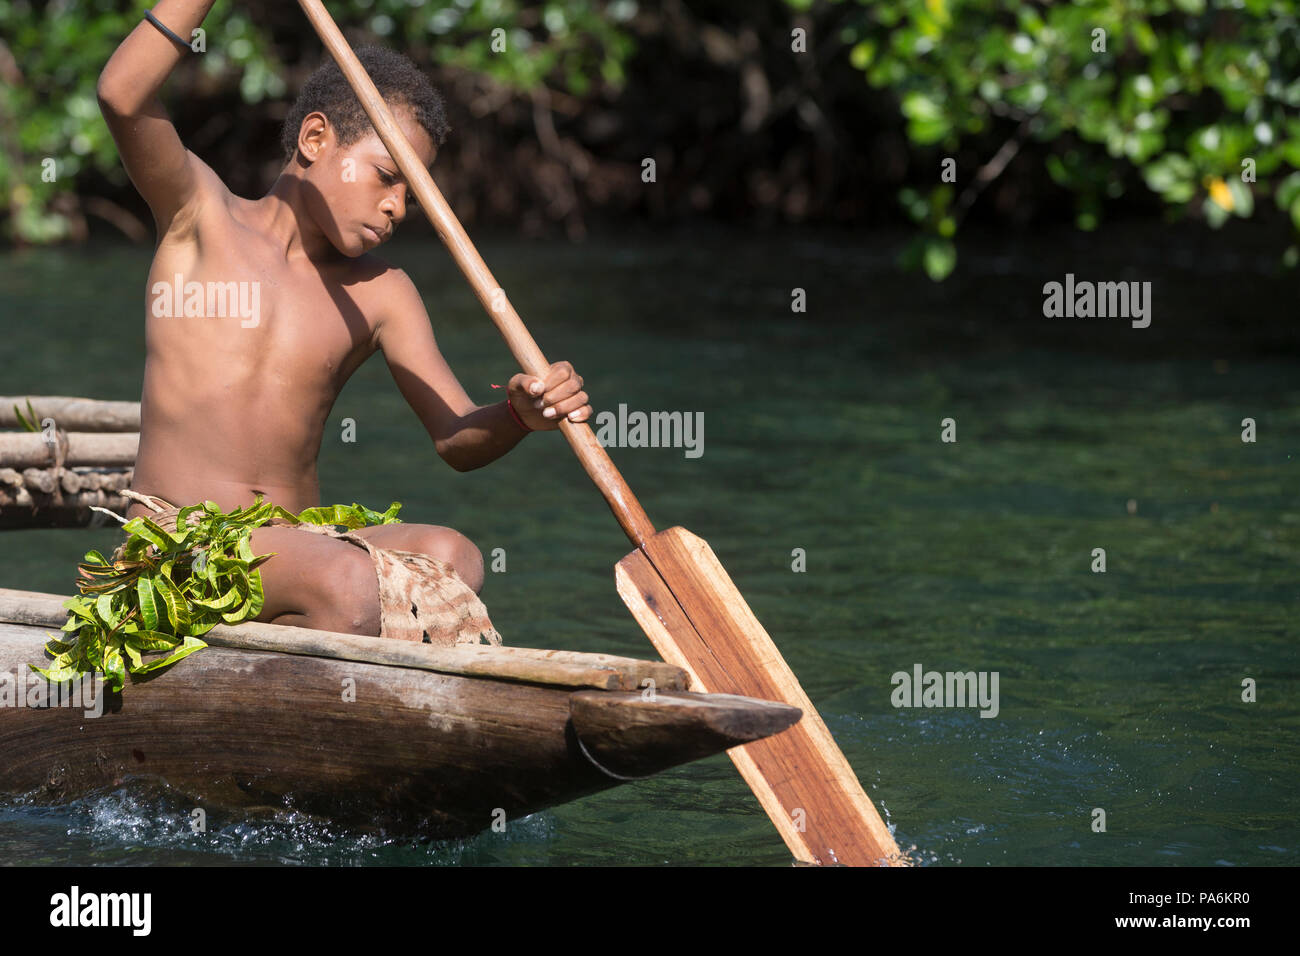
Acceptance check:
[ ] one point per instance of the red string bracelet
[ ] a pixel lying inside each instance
(515, 415)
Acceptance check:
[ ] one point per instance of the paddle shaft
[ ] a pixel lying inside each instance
(631, 516)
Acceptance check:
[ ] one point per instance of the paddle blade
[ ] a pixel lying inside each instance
(696, 618)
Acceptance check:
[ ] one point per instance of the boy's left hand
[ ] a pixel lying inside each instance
(542, 403)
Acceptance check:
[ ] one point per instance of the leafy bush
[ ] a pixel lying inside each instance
(1199, 98)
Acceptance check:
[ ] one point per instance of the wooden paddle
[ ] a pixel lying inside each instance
(673, 584)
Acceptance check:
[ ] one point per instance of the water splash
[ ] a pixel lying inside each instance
(149, 825)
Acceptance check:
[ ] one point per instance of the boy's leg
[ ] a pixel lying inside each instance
(317, 581)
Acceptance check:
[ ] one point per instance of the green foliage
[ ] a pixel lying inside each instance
(1180, 99)
(574, 46)
(52, 112)
(1181, 92)
(165, 587)
(571, 45)
(28, 421)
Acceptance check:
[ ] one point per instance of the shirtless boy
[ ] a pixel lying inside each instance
(236, 405)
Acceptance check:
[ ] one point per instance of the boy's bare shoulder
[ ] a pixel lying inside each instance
(388, 295)
(389, 287)
(383, 292)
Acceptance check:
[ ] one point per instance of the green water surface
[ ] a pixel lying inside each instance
(1120, 691)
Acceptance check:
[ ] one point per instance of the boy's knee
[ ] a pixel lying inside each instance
(470, 565)
(462, 554)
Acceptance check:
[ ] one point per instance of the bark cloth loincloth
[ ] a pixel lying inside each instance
(420, 598)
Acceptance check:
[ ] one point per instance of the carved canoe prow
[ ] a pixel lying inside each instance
(639, 734)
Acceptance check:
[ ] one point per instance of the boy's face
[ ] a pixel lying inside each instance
(359, 194)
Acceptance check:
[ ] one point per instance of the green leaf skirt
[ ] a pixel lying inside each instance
(173, 580)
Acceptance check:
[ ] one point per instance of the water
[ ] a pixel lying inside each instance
(1119, 691)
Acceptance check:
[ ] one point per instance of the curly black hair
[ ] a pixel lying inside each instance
(399, 81)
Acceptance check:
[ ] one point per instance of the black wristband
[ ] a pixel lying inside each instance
(148, 15)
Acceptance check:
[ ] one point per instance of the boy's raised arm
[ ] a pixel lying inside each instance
(163, 170)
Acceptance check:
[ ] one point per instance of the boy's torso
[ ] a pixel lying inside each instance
(234, 404)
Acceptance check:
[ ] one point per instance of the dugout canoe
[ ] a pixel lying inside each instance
(374, 734)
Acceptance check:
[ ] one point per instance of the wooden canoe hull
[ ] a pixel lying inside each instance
(372, 746)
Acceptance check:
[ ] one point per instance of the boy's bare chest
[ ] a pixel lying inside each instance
(229, 300)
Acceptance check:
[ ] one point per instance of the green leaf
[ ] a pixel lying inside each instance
(256, 598)
(58, 647)
(153, 641)
(178, 613)
(56, 675)
(862, 54)
(28, 424)
(148, 603)
(105, 611)
(147, 529)
(114, 669)
(80, 608)
(188, 647)
(182, 516)
(1172, 176)
(223, 603)
(939, 258)
(133, 654)
(926, 121)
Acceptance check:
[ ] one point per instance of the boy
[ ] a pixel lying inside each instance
(235, 399)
